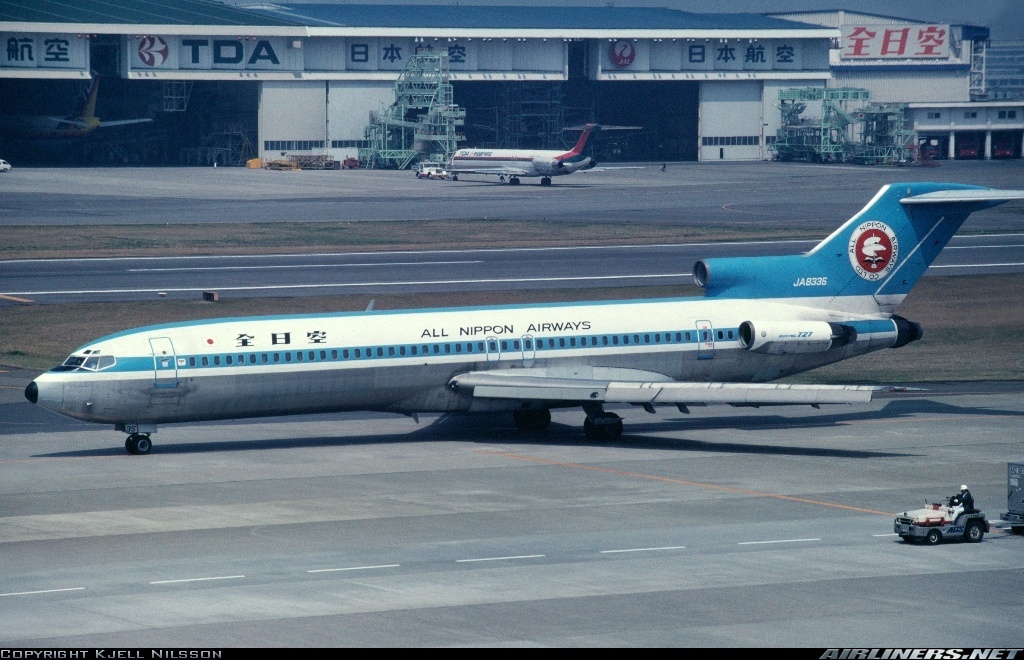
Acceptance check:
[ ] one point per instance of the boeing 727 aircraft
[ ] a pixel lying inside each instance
(515, 163)
(761, 318)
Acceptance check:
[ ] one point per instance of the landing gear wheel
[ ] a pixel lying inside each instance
(607, 427)
(934, 537)
(513, 181)
(138, 444)
(546, 181)
(455, 177)
(974, 532)
(532, 421)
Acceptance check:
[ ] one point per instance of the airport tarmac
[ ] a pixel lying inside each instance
(723, 528)
(759, 194)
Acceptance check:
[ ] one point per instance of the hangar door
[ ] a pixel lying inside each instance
(292, 117)
(731, 121)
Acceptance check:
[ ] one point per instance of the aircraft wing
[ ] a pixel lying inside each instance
(122, 122)
(506, 385)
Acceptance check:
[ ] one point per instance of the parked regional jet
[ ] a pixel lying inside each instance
(761, 318)
(515, 163)
(58, 128)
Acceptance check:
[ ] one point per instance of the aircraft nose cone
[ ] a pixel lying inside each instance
(32, 392)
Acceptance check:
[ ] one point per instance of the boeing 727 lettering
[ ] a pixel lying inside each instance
(515, 163)
(761, 319)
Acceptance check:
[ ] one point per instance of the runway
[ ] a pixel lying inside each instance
(93, 280)
(719, 529)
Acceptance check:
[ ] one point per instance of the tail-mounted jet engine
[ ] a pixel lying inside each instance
(791, 337)
(547, 164)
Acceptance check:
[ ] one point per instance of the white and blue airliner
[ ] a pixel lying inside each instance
(761, 319)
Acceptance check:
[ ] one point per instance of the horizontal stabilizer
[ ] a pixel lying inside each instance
(964, 196)
(533, 388)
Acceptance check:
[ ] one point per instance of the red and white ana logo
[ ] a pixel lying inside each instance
(622, 53)
(873, 249)
(153, 51)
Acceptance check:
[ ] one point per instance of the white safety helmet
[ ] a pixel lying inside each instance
(963, 487)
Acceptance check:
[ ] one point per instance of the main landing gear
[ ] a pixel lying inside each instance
(598, 425)
(546, 181)
(138, 444)
(601, 425)
(513, 181)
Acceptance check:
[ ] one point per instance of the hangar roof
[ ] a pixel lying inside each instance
(518, 17)
(133, 12)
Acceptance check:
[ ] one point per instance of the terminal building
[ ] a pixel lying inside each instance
(205, 82)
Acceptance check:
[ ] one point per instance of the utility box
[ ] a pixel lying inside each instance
(1015, 497)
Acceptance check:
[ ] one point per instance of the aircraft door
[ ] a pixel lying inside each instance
(705, 340)
(493, 349)
(165, 364)
(529, 350)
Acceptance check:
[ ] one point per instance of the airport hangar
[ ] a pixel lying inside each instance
(304, 78)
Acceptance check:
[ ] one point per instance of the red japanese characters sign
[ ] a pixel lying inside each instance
(897, 41)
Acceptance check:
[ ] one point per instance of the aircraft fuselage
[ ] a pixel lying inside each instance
(404, 361)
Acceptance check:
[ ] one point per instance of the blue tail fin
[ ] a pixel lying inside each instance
(881, 252)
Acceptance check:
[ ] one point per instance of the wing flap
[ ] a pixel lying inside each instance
(536, 388)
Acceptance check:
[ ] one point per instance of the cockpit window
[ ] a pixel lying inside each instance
(94, 362)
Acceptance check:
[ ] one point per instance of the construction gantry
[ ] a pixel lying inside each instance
(422, 123)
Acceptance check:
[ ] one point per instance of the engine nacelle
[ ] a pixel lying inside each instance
(791, 337)
(546, 164)
(906, 331)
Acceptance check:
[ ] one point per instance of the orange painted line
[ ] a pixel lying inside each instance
(683, 482)
(18, 300)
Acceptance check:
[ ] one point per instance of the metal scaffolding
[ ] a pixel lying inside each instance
(850, 129)
(423, 121)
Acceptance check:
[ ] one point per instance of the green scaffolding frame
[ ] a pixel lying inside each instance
(422, 123)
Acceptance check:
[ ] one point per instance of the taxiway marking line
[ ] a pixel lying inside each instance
(203, 579)
(44, 591)
(393, 263)
(465, 561)
(510, 280)
(668, 547)
(683, 482)
(976, 265)
(352, 568)
(552, 248)
(779, 541)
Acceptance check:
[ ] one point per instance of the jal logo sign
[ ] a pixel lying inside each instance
(622, 53)
(873, 250)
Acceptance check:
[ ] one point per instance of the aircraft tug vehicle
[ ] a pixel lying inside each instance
(935, 523)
